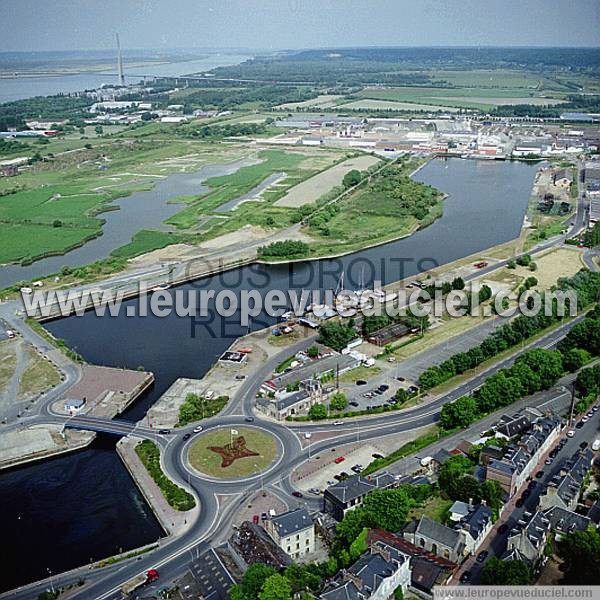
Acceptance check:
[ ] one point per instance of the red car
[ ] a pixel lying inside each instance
(255, 519)
(339, 460)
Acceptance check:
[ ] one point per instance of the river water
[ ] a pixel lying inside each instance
(140, 210)
(17, 88)
(485, 206)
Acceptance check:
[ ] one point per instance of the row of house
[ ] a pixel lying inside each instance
(556, 512)
(519, 459)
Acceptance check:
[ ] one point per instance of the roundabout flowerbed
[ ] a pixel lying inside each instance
(232, 452)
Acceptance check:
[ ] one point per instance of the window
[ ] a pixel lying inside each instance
(422, 543)
(307, 541)
(289, 549)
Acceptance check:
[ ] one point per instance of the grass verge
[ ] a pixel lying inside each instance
(176, 496)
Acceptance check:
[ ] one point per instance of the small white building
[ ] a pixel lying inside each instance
(75, 405)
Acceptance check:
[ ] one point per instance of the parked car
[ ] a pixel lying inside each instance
(377, 455)
(240, 377)
(503, 529)
(570, 433)
(353, 403)
(482, 556)
(331, 482)
(579, 425)
(465, 577)
(297, 494)
(264, 516)
(339, 459)
(249, 419)
(361, 382)
(526, 493)
(384, 387)
(400, 379)
(519, 503)
(164, 431)
(255, 519)
(315, 491)
(583, 445)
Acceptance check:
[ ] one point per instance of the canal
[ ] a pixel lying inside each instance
(485, 206)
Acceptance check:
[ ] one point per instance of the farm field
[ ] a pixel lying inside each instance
(462, 97)
(322, 101)
(370, 104)
(312, 189)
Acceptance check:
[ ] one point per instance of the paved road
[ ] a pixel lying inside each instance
(173, 554)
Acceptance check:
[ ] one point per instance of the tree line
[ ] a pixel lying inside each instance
(585, 284)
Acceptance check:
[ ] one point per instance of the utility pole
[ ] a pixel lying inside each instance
(572, 404)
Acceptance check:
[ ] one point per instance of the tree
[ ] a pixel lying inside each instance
(458, 283)
(276, 587)
(317, 412)
(338, 401)
(460, 413)
(388, 509)
(254, 579)
(303, 578)
(547, 363)
(505, 572)
(580, 552)
(312, 352)
(492, 493)
(401, 395)
(575, 358)
(99, 129)
(588, 381)
(350, 527)
(57, 223)
(351, 178)
(335, 335)
(359, 545)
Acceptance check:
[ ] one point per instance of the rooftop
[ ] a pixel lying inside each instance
(292, 521)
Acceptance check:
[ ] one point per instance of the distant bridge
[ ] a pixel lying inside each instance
(110, 426)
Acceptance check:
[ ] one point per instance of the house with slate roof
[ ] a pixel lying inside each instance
(293, 532)
(451, 543)
(519, 459)
(564, 488)
(350, 493)
(375, 575)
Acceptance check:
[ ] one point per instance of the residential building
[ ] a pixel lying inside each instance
(527, 542)
(510, 426)
(427, 569)
(452, 543)
(519, 459)
(563, 490)
(350, 493)
(375, 575)
(459, 510)
(436, 538)
(293, 532)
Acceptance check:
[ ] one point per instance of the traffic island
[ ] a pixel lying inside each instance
(232, 453)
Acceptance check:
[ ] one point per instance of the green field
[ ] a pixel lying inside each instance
(208, 462)
(374, 214)
(478, 97)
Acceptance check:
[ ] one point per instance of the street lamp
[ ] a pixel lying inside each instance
(51, 584)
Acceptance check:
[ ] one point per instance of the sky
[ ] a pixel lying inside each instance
(28, 25)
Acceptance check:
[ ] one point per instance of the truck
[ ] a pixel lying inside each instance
(137, 582)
